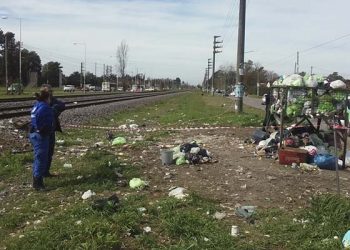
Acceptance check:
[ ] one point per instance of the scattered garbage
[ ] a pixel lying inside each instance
(88, 194)
(147, 229)
(133, 126)
(346, 240)
(245, 211)
(60, 142)
(137, 183)
(308, 167)
(110, 204)
(141, 209)
(98, 144)
(219, 215)
(191, 153)
(181, 160)
(67, 165)
(234, 231)
(123, 127)
(178, 193)
(119, 141)
(166, 156)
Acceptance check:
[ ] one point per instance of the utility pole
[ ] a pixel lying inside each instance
(239, 91)
(6, 76)
(104, 70)
(297, 62)
(311, 70)
(209, 68)
(216, 45)
(81, 74)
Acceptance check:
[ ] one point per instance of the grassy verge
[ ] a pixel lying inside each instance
(190, 109)
(61, 219)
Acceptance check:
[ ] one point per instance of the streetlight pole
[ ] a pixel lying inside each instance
(20, 46)
(84, 44)
(20, 51)
(6, 77)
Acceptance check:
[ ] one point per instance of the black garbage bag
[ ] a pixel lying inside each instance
(259, 135)
(193, 158)
(203, 152)
(186, 148)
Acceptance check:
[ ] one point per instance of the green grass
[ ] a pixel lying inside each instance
(191, 109)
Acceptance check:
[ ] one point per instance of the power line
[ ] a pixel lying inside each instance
(325, 43)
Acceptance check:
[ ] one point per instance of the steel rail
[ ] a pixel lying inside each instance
(85, 103)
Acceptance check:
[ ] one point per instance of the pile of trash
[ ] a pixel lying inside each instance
(300, 145)
(189, 153)
(311, 81)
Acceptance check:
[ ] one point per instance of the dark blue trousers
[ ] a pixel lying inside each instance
(52, 139)
(41, 148)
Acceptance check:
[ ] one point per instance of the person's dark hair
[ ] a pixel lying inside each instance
(43, 95)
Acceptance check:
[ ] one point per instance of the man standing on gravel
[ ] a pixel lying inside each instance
(57, 107)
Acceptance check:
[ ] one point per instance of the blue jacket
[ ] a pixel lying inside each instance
(42, 118)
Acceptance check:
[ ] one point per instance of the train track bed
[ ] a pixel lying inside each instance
(16, 109)
(14, 139)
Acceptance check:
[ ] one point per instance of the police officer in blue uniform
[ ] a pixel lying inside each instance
(57, 107)
(41, 127)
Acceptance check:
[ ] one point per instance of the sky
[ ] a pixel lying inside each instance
(174, 38)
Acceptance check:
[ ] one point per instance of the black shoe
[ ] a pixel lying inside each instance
(38, 183)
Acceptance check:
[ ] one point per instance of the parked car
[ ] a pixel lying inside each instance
(68, 88)
(15, 88)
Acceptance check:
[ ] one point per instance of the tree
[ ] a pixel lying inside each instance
(12, 56)
(50, 73)
(31, 62)
(74, 78)
(122, 57)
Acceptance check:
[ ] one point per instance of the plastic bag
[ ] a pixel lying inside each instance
(181, 160)
(337, 84)
(137, 183)
(293, 80)
(325, 161)
(119, 141)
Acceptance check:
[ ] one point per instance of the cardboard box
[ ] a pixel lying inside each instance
(289, 155)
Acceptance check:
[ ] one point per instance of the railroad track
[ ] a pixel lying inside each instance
(24, 109)
(30, 98)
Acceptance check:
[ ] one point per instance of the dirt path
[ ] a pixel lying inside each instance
(239, 177)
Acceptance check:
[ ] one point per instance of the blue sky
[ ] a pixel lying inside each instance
(174, 38)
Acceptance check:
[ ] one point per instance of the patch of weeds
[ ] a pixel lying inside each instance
(312, 228)
(13, 164)
(188, 224)
(75, 228)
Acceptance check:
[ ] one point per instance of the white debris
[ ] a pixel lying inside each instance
(37, 222)
(124, 126)
(133, 126)
(147, 229)
(219, 216)
(178, 193)
(67, 165)
(78, 222)
(60, 142)
(88, 194)
(195, 150)
(98, 144)
(142, 209)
